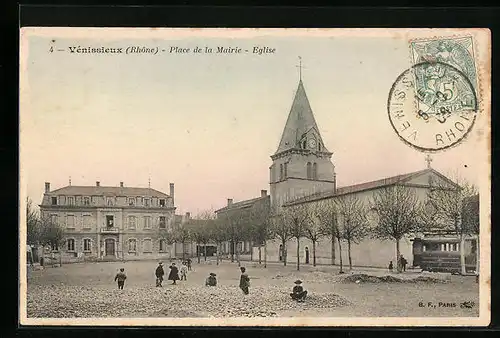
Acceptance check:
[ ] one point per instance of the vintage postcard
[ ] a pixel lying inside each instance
(255, 177)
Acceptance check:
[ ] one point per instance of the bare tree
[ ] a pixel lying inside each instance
(32, 224)
(449, 202)
(470, 218)
(168, 235)
(352, 220)
(280, 229)
(326, 212)
(314, 229)
(398, 213)
(182, 234)
(260, 227)
(51, 234)
(217, 233)
(297, 216)
(199, 230)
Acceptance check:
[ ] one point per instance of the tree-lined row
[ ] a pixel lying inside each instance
(390, 213)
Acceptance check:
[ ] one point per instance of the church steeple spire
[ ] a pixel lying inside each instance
(300, 122)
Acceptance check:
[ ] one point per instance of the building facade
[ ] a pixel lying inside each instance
(108, 223)
(302, 172)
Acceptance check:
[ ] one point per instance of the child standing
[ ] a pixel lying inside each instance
(244, 281)
(120, 277)
(184, 271)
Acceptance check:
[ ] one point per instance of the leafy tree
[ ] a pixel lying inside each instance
(398, 213)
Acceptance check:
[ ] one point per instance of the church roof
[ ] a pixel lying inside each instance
(243, 204)
(102, 190)
(367, 186)
(300, 121)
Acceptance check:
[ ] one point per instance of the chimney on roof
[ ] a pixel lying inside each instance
(229, 202)
(121, 184)
(97, 183)
(263, 193)
(172, 191)
(47, 187)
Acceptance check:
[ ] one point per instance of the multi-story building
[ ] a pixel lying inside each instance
(103, 222)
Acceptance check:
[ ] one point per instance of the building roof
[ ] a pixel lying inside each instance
(300, 121)
(366, 186)
(243, 204)
(102, 190)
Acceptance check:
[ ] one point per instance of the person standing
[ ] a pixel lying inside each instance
(189, 264)
(174, 274)
(391, 266)
(120, 277)
(244, 281)
(184, 271)
(403, 263)
(159, 274)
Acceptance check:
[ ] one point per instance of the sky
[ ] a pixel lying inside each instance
(210, 122)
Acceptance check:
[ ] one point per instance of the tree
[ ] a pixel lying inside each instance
(182, 235)
(51, 234)
(297, 216)
(352, 220)
(260, 227)
(200, 229)
(33, 230)
(398, 214)
(470, 218)
(326, 213)
(168, 235)
(280, 229)
(314, 229)
(449, 202)
(217, 232)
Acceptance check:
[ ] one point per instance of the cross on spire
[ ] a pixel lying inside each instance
(300, 68)
(149, 182)
(70, 180)
(428, 159)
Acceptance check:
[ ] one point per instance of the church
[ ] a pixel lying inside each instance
(302, 172)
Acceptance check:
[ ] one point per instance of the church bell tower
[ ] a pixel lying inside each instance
(302, 164)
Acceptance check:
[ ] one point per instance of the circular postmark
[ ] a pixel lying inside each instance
(432, 106)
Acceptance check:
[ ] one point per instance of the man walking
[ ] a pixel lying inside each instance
(159, 274)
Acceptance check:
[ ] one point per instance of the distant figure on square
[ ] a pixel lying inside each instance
(298, 292)
(403, 263)
(159, 274)
(174, 274)
(184, 271)
(120, 277)
(391, 266)
(244, 281)
(211, 280)
(189, 263)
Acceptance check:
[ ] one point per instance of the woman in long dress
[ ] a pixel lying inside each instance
(174, 274)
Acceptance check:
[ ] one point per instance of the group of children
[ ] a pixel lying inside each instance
(298, 292)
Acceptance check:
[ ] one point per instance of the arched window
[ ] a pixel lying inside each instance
(281, 171)
(309, 171)
(286, 170)
(315, 171)
(319, 146)
(71, 244)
